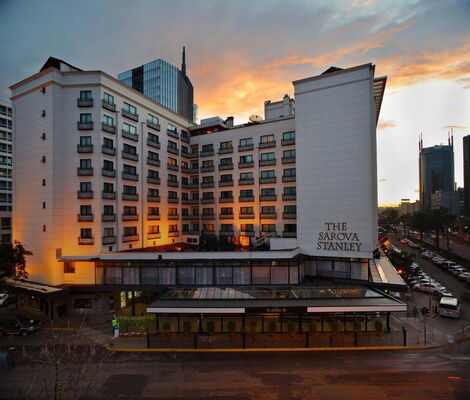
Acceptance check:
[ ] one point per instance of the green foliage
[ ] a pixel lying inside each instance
(378, 325)
(187, 327)
(272, 326)
(232, 326)
(136, 324)
(210, 326)
(13, 260)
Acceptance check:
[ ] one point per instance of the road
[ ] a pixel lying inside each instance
(378, 375)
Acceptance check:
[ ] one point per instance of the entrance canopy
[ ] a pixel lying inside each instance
(298, 299)
(34, 288)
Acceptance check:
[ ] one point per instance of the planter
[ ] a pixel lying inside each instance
(124, 335)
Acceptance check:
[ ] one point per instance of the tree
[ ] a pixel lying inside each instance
(420, 221)
(405, 220)
(440, 220)
(13, 260)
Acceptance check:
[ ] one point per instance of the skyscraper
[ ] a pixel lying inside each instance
(466, 174)
(163, 83)
(5, 171)
(436, 171)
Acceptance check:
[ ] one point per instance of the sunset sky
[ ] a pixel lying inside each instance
(241, 53)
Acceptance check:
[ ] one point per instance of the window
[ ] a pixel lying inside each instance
(151, 155)
(153, 138)
(246, 142)
(208, 227)
(129, 169)
(246, 193)
(129, 108)
(226, 178)
(86, 210)
(85, 118)
(172, 161)
(288, 135)
(184, 180)
(128, 128)
(153, 119)
(268, 227)
(208, 164)
(173, 212)
(107, 120)
(290, 209)
(226, 161)
(85, 94)
(154, 229)
(7, 161)
(268, 156)
(289, 172)
(172, 145)
(246, 210)
(246, 176)
(172, 178)
(108, 187)
(268, 210)
(288, 154)
(85, 141)
(173, 195)
(247, 227)
(108, 210)
(226, 145)
(290, 228)
(126, 189)
(172, 128)
(108, 232)
(268, 174)
(226, 227)
(82, 303)
(108, 143)
(207, 148)
(127, 148)
(290, 190)
(246, 159)
(207, 195)
(268, 192)
(266, 139)
(108, 165)
(184, 134)
(86, 233)
(107, 98)
(154, 193)
(207, 211)
(85, 164)
(130, 230)
(226, 211)
(173, 228)
(130, 210)
(153, 174)
(154, 211)
(226, 194)
(69, 267)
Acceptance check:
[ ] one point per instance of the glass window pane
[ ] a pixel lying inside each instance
(167, 276)
(241, 275)
(186, 275)
(113, 276)
(294, 275)
(149, 276)
(130, 276)
(261, 275)
(204, 276)
(280, 275)
(223, 275)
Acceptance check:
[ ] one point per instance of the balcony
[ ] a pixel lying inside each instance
(172, 133)
(189, 170)
(85, 217)
(191, 217)
(109, 106)
(84, 126)
(226, 216)
(184, 138)
(289, 197)
(246, 148)
(246, 164)
(289, 178)
(108, 240)
(246, 181)
(153, 161)
(173, 233)
(246, 198)
(130, 217)
(207, 200)
(289, 234)
(86, 241)
(189, 201)
(207, 169)
(108, 217)
(173, 217)
(153, 235)
(108, 150)
(108, 195)
(208, 216)
(190, 185)
(108, 128)
(173, 167)
(288, 160)
(226, 233)
(153, 199)
(287, 142)
(208, 233)
(129, 135)
(84, 171)
(130, 177)
(226, 200)
(267, 180)
(206, 153)
(192, 233)
(268, 144)
(130, 156)
(108, 172)
(132, 197)
(173, 200)
(127, 114)
(226, 150)
(130, 238)
(247, 216)
(153, 217)
(153, 143)
(268, 215)
(153, 180)
(85, 102)
(223, 167)
(271, 197)
(247, 233)
(263, 163)
(172, 150)
(172, 183)
(226, 183)
(190, 155)
(289, 215)
(85, 149)
(207, 185)
(152, 125)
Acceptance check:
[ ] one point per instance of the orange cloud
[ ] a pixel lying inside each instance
(386, 124)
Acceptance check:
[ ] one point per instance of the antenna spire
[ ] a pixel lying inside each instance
(183, 64)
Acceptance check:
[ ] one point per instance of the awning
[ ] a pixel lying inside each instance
(35, 288)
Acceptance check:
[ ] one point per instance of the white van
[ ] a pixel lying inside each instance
(449, 307)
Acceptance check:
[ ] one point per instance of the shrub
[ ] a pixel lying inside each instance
(166, 326)
(210, 326)
(272, 326)
(378, 325)
(232, 326)
(123, 324)
(187, 327)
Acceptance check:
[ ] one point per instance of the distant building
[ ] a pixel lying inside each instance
(450, 200)
(436, 172)
(407, 207)
(5, 172)
(165, 84)
(466, 174)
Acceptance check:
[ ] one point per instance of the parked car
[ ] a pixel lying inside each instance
(452, 267)
(458, 271)
(403, 241)
(446, 264)
(3, 299)
(18, 325)
(449, 307)
(429, 287)
(464, 276)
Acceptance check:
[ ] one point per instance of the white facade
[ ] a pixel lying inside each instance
(241, 182)
(5, 171)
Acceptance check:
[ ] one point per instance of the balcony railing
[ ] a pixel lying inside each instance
(108, 172)
(85, 195)
(246, 198)
(271, 197)
(225, 183)
(289, 215)
(130, 156)
(287, 142)
(127, 114)
(173, 167)
(153, 180)
(130, 238)
(153, 217)
(84, 171)
(85, 149)
(226, 150)
(268, 215)
(207, 216)
(152, 125)
(246, 148)
(289, 197)
(173, 217)
(207, 169)
(85, 217)
(130, 177)
(173, 200)
(267, 162)
(246, 164)
(85, 102)
(86, 241)
(108, 150)
(153, 143)
(153, 161)
(226, 200)
(108, 195)
(267, 144)
(130, 217)
(190, 185)
(190, 217)
(108, 128)
(153, 235)
(173, 233)
(289, 234)
(247, 216)
(225, 216)
(172, 150)
(172, 183)
(206, 153)
(223, 167)
(109, 106)
(108, 239)
(288, 160)
(268, 180)
(172, 133)
(205, 185)
(153, 199)
(132, 197)
(84, 126)
(210, 200)
(246, 181)
(108, 217)
(289, 178)
(189, 201)
(129, 135)
(189, 170)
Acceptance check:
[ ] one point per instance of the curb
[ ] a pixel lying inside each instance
(58, 329)
(266, 350)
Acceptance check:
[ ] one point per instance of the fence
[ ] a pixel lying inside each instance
(277, 340)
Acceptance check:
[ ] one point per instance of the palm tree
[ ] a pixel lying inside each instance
(420, 221)
(440, 220)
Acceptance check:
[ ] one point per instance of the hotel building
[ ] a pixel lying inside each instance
(116, 194)
(5, 172)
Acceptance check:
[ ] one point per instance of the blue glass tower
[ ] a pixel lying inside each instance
(163, 83)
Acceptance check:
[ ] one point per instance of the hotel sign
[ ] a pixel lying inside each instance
(337, 237)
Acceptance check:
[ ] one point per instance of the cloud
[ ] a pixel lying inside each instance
(382, 180)
(455, 127)
(386, 124)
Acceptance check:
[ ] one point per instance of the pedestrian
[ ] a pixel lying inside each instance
(3, 359)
